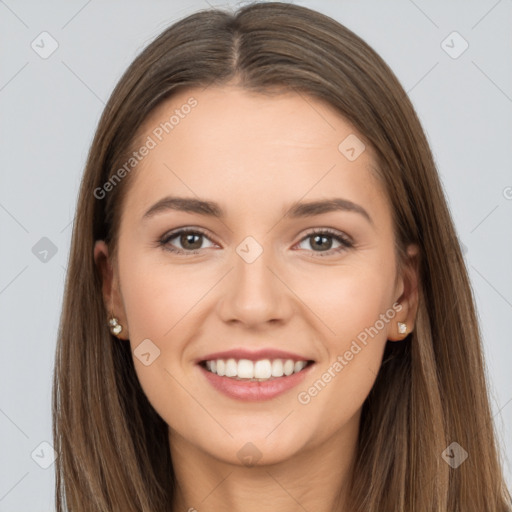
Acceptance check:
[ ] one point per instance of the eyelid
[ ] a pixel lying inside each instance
(330, 231)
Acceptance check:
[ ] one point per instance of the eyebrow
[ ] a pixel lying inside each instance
(297, 210)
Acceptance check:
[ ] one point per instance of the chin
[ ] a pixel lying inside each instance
(250, 449)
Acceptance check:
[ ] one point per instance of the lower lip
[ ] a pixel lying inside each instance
(255, 391)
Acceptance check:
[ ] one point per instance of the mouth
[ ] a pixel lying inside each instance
(254, 379)
(261, 370)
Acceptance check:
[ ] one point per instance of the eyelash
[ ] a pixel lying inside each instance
(345, 242)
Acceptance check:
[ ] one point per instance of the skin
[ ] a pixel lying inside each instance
(281, 150)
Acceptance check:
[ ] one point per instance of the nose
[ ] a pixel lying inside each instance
(255, 295)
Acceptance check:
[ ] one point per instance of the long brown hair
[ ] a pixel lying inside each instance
(431, 390)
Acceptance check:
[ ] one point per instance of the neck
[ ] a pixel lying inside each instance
(316, 478)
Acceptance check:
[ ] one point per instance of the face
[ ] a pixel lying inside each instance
(256, 317)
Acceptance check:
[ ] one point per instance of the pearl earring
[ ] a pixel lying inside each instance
(115, 327)
(402, 327)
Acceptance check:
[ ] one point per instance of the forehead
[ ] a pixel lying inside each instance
(233, 145)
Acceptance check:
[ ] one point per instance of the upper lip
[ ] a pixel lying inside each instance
(253, 355)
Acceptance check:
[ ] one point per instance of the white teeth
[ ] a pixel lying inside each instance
(263, 369)
(298, 366)
(231, 368)
(245, 369)
(277, 368)
(288, 367)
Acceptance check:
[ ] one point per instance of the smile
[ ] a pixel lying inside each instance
(254, 371)
(258, 380)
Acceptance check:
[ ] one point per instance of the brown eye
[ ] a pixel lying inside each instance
(322, 242)
(190, 240)
(187, 241)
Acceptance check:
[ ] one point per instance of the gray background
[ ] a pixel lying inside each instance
(49, 111)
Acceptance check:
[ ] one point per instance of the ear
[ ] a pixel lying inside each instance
(408, 282)
(110, 287)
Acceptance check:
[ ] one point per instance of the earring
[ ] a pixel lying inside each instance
(402, 327)
(115, 327)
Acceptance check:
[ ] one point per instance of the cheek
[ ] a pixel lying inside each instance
(159, 302)
(346, 300)
(356, 311)
(165, 304)
(158, 296)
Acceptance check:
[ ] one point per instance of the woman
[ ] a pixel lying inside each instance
(213, 354)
